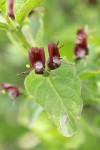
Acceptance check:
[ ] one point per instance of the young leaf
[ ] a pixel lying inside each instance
(3, 23)
(18, 4)
(2, 5)
(25, 9)
(60, 96)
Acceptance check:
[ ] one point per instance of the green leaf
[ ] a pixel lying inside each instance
(2, 5)
(87, 69)
(48, 133)
(60, 96)
(3, 23)
(24, 10)
(3, 26)
(18, 4)
(88, 74)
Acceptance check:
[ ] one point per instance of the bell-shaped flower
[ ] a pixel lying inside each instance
(54, 56)
(81, 48)
(37, 59)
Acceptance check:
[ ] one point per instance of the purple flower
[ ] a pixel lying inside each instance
(81, 48)
(37, 59)
(11, 9)
(54, 56)
(12, 90)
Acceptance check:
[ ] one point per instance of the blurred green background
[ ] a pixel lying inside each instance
(20, 129)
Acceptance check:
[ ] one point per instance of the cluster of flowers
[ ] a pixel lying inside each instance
(37, 58)
(38, 61)
(37, 55)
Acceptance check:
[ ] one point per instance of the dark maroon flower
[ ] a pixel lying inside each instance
(54, 56)
(11, 9)
(81, 48)
(37, 59)
(12, 90)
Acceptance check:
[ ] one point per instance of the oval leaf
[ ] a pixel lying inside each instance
(60, 96)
